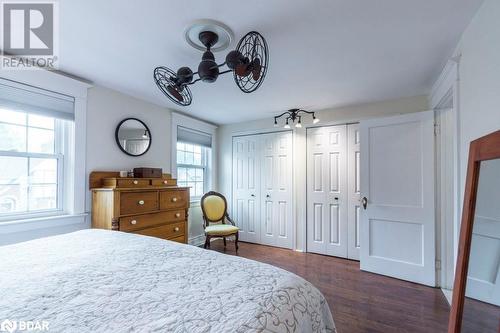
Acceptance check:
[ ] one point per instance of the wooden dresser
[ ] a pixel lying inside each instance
(148, 206)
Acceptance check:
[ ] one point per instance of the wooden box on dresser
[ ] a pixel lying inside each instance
(148, 206)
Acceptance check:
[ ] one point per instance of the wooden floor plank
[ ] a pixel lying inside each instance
(360, 301)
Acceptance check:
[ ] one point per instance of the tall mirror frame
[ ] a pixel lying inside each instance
(483, 149)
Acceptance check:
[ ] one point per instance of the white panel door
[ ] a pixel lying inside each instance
(246, 187)
(483, 276)
(327, 191)
(276, 189)
(353, 191)
(397, 178)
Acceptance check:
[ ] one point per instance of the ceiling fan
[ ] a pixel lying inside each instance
(248, 63)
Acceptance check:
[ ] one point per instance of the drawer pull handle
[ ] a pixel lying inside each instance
(141, 202)
(177, 214)
(174, 199)
(176, 229)
(165, 182)
(134, 222)
(136, 182)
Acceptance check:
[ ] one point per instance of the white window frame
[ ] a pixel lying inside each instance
(210, 165)
(205, 161)
(74, 189)
(59, 139)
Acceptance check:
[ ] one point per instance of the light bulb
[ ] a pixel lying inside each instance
(275, 123)
(298, 125)
(315, 120)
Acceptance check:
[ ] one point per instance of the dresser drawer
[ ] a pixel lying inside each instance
(180, 239)
(138, 202)
(136, 222)
(132, 183)
(174, 199)
(168, 231)
(163, 182)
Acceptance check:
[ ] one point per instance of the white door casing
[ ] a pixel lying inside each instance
(353, 191)
(327, 190)
(276, 189)
(397, 231)
(246, 187)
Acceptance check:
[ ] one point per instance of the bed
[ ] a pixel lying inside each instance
(108, 281)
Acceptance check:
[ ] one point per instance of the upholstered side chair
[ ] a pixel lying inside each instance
(215, 218)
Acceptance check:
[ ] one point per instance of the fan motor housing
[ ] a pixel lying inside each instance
(208, 70)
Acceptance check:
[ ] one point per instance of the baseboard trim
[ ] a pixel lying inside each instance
(447, 294)
(197, 240)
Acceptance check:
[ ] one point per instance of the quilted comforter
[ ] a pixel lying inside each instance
(108, 281)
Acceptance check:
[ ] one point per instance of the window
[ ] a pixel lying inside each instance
(192, 155)
(192, 160)
(36, 134)
(31, 163)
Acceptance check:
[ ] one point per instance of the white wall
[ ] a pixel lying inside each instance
(479, 74)
(105, 109)
(332, 116)
(477, 92)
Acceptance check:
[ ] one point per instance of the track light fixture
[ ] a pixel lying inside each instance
(294, 114)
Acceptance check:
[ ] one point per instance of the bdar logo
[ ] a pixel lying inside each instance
(8, 326)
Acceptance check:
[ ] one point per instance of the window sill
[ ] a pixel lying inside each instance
(25, 224)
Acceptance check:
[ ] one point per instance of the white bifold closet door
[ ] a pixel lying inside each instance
(246, 187)
(333, 190)
(262, 188)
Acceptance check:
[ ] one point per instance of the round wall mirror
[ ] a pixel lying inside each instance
(133, 137)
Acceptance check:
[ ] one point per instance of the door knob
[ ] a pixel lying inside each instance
(336, 199)
(268, 196)
(252, 195)
(136, 182)
(364, 202)
(174, 199)
(141, 202)
(133, 222)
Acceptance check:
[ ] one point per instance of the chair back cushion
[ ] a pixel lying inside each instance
(214, 207)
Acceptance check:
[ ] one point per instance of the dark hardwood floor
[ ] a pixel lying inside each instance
(360, 301)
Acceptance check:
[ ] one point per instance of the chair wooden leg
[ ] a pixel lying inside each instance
(236, 241)
(207, 242)
(224, 241)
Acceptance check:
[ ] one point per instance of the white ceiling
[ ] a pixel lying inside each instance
(323, 53)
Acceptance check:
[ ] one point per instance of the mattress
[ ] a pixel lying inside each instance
(109, 281)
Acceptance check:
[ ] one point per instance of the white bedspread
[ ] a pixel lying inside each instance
(106, 281)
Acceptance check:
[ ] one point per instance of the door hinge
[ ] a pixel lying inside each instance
(438, 264)
(437, 129)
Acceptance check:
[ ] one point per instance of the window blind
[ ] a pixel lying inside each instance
(191, 136)
(24, 98)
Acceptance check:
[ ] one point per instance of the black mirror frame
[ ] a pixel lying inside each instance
(118, 141)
